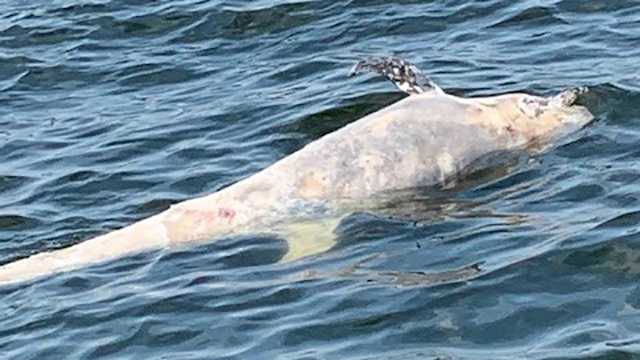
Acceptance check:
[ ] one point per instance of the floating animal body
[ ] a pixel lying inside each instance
(421, 140)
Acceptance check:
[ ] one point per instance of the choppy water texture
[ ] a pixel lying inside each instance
(112, 110)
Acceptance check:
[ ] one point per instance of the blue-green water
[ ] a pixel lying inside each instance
(112, 110)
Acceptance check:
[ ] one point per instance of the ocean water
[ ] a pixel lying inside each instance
(112, 110)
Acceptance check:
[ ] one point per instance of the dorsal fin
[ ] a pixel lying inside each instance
(406, 76)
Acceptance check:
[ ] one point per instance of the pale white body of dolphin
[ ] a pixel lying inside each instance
(418, 141)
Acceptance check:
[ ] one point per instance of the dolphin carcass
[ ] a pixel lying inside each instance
(421, 140)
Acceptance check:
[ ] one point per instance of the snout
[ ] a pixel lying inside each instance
(569, 96)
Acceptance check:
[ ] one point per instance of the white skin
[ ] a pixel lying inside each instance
(419, 141)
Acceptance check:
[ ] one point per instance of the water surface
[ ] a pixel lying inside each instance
(113, 110)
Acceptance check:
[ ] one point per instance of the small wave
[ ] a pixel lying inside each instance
(529, 17)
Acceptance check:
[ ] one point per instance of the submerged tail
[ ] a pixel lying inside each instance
(142, 236)
(178, 225)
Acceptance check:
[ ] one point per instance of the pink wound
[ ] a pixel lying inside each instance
(227, 213)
